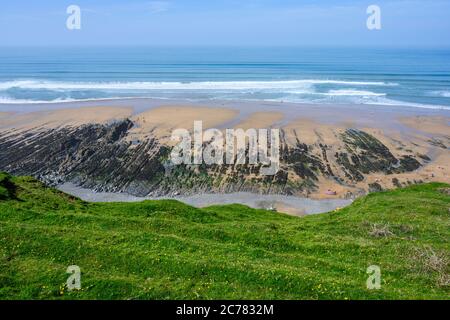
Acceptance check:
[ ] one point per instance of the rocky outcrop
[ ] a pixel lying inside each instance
(365, 154)
(101, 157)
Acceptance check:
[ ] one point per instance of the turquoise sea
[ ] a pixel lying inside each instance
(388, 77)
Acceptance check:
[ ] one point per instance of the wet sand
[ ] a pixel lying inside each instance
(286, 204)
(345, 114)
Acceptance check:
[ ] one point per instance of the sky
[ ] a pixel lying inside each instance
(226, 22)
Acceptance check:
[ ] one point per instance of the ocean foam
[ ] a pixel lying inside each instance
(6, 100)
(442, 93)
(296, 91)
(206, 85)
(389, 102)
(350, 92)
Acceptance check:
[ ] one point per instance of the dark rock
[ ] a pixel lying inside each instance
(375, 187)
(100, 157)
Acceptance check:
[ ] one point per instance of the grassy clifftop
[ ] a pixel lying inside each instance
(165, 249)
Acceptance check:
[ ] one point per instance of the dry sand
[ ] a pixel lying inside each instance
(160, 122)
(63, 117)
(433, 125)
(260, 120)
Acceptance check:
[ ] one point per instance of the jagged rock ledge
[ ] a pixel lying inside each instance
(101, 158)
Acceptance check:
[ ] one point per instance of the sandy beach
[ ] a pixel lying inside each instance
(404, 131)
(172, 113)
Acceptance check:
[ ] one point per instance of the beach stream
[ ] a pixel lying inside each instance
(287, 204)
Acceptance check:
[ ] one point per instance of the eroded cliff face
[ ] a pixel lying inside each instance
(107, 157)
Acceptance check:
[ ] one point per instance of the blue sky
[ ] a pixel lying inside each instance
(226, 22)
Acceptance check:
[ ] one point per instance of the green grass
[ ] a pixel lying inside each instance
(169, 250)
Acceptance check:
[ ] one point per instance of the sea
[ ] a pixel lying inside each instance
(413, 77)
